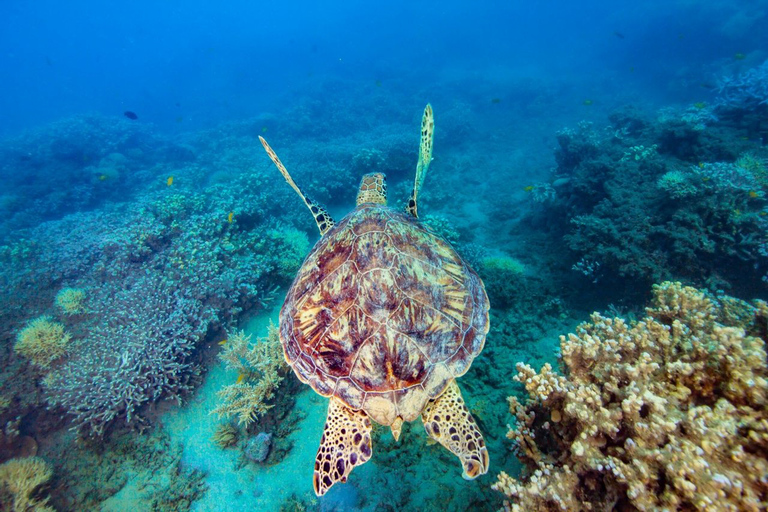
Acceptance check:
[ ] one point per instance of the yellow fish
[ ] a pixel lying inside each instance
(587, 102)
(753, 194)
(169, 181)
(529, 188)
(240, 378)
(223, 342)
(230, 217)
(103, 177)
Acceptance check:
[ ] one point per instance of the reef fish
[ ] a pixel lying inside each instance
(130, 115)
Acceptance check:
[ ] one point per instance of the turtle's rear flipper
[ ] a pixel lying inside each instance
(346, 443)
(449, 422)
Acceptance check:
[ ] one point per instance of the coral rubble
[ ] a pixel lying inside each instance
(668, 413)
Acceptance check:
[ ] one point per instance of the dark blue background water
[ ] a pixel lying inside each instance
(186, 65)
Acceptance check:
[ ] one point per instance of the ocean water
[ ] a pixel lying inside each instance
(583, 152)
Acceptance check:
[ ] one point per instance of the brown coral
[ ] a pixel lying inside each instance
(665, 414)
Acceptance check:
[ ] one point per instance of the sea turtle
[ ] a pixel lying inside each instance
(382, 317)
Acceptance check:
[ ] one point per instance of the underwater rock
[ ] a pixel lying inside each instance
(258, 447)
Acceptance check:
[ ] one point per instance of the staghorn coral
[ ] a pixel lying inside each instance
(665, 414)
(71, 301)
(22, 478)
(42, 341)
(260, 366)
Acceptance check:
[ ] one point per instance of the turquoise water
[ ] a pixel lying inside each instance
(583, 153)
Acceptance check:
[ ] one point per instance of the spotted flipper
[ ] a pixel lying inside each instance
(449, 422)
(346, 443)
(323, 220)
(425, 158)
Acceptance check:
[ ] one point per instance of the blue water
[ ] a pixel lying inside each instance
(583, 152)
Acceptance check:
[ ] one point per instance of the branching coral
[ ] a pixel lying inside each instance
(71, 301)
(260, 366)
(42, 341)
(22, 478)
(665, 414)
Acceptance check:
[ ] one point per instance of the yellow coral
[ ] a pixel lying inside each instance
(71, 301)
(22, 477)
(42, 341)
(261, 365)
(665, 414)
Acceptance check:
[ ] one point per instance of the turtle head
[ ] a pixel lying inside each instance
(373, 189)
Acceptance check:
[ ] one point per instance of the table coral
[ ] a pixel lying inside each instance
(668, 413)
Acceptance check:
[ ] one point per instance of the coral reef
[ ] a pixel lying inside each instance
(43, 341)
(661, 200)
(504, 279)
(666, 414)
(746, 91)
(22, 478)
(261, 368)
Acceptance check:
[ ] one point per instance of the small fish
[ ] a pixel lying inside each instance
(587, 102)
(130, 115)
(230, 217)
(496, 100)
(263, 129)
(739, 56)
(529, 188)
(753, 194)
(169, 181)
(378, 83)
(631, 69)
(618, 34)
(179, 119)
(700, 105)
(701, 165)
(103, 177)
(240, 378)
(223, 342)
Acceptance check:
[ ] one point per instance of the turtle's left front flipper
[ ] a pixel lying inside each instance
(448, 421)
(346, 443)
(323, 220)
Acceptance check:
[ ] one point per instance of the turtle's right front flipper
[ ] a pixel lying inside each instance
(425, 158)
(346, 443)
(323, 220)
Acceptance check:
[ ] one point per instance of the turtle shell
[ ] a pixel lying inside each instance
(383, 314)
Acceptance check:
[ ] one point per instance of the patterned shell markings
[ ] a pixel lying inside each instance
(383, 314)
